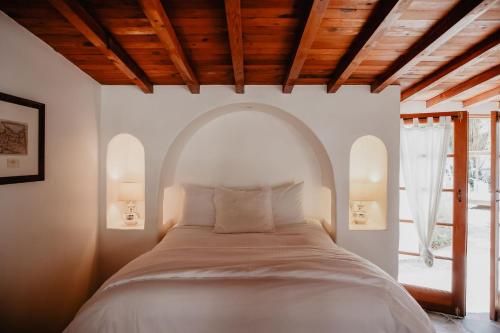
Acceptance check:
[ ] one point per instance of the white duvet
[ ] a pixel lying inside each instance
(293, 280)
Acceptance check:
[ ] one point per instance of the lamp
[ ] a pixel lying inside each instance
(131, 192)
(362, 194)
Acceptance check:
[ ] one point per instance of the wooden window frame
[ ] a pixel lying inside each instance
(494, 299)
(439, 300)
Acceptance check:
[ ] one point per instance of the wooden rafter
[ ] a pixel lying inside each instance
(474, 54)
(464, 86)
(233, 18)
(84, 22)
(458, 18)
(482, 97)
(311, 28)
(157, 16)
(383, 15)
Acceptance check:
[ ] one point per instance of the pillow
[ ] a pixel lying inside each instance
(287, 204)
(197, 208)
(238, 211)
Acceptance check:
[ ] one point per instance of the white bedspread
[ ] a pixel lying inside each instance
(293, 280)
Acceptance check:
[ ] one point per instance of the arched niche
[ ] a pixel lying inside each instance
(368, 184)
(124, 164)
(252, 131)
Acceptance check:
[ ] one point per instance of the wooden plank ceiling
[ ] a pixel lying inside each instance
(437, 50)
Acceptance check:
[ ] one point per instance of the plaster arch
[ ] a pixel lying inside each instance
(171, 160)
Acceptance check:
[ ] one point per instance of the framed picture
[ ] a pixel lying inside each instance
(22, 140)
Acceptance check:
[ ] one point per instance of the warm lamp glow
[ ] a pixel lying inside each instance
(364, 191)
(368, 184)
(130, 191)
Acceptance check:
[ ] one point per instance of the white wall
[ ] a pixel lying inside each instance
(337, 120)
(48, 230)
(419, 107)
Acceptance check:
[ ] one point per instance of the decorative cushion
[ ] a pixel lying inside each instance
(238, 211)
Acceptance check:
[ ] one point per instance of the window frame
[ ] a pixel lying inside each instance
(452, 302)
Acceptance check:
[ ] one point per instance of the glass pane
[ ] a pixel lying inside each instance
(401, 179)
(408, 240)
(445, 212)
(413, 271)
(448, 174)
(451, 148)
(404, 208)
(442, 241)
(479, 180)
(479, 135)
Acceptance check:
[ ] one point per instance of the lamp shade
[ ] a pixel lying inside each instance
(129, 191)
(364, 191)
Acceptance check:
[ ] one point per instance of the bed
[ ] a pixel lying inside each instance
(295, 279)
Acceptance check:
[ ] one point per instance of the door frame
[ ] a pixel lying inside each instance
(439, 300)
(494, 301)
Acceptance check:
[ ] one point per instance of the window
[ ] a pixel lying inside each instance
(442, 286)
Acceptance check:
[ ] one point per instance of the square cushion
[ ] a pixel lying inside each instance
(198, 207)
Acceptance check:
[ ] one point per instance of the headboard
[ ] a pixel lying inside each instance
(249, 145)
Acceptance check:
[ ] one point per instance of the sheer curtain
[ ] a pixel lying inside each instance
(423, 157)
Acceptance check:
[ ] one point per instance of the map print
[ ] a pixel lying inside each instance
(13, 138)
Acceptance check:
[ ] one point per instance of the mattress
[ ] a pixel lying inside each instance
(293, 280)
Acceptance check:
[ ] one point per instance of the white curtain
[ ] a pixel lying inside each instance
(423, 160)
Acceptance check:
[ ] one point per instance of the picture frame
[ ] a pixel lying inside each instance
(22, 140)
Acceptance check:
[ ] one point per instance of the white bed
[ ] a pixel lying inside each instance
(292, 280)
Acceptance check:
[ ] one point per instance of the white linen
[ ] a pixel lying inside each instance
(293, 280)
(197, 207)
(238, 211)
(423, 160)
(287, 202)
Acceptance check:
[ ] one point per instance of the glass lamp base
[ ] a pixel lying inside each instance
(130, 219)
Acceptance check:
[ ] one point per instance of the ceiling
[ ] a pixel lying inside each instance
(278, 42)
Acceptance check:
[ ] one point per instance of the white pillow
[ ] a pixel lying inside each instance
(238, 211)
(287, 202)
(198, 207)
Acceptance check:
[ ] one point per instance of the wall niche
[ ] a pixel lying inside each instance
(368, 184)
(125, 186)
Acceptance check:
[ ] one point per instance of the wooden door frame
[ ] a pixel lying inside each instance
(439, 300)
(494, 304)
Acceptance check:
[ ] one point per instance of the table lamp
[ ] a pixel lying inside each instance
(131, 192)
(362, 194)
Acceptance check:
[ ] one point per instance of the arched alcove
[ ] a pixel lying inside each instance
(368, 184)
(248, 134)
(125, 181)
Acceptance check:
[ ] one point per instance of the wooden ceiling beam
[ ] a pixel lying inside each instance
(84, 22)
(383, 16)
(464, 86)
(235, 32)
(311, 28)
(482, 97)
(458, 18)
(157, 16)
(471, 56)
